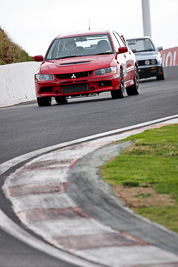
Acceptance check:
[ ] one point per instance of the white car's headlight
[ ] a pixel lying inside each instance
(44, 77)
(153, 61)
(109, 70)
(147, 62)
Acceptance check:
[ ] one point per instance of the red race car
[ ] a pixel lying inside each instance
(84, 64)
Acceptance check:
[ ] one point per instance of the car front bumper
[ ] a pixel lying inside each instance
(149, 71)
(75, 87)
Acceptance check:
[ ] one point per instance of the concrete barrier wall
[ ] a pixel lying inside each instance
(170, 57)
(17, 83)
(17, 80)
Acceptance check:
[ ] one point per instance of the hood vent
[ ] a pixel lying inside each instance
(74, 63)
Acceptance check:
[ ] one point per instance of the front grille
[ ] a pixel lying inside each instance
(74, 88)
(73, 75)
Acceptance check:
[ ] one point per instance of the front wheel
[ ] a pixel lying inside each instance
(44, 101)
(120, 93)
(133, 90)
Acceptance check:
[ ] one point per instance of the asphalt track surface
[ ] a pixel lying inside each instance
(25, 128)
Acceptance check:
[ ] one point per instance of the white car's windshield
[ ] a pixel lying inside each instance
(79, 46)
(140, 45)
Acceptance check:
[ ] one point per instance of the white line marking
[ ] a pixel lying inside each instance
(42, 201)
(70, 227)
(36, 177)
(13, 229)
(129, 255)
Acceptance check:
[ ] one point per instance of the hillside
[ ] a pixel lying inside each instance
(11, 52)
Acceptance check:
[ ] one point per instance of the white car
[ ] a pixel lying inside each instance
(148, 57)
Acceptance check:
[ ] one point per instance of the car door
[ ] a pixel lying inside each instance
(129, 63)
(122, 58)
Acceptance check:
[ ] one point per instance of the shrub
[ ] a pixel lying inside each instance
(11, 52)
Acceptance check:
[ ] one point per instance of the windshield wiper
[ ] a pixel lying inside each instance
(146, 50)
(104, 53)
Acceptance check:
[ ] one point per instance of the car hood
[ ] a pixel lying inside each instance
(146, 55)
(76, 64)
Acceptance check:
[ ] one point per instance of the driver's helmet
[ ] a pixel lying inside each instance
(70, 45)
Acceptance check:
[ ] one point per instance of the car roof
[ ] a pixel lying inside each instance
(137, 38)
(82, 33)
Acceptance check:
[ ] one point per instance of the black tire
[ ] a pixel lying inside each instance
(120, 93)
(61, 99)
(133, 90)
(44, 101)
(160, 77)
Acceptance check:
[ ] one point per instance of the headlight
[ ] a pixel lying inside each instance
(147, 62)
(110, 70)
(153, 61)
(44, 77)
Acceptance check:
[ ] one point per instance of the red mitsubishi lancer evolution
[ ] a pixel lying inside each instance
(85, 64)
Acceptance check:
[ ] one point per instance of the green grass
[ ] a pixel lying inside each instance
(167, 216)
(151, 160)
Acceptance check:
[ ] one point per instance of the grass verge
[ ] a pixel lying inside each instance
(11, 52)
(151, 162)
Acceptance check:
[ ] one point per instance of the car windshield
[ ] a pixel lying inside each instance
(140, 45)
(79, 46)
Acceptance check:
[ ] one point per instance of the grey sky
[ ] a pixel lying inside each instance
(33, 24)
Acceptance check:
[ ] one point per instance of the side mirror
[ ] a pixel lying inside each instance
(38, 58)
(122, 50)
(159, 48)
